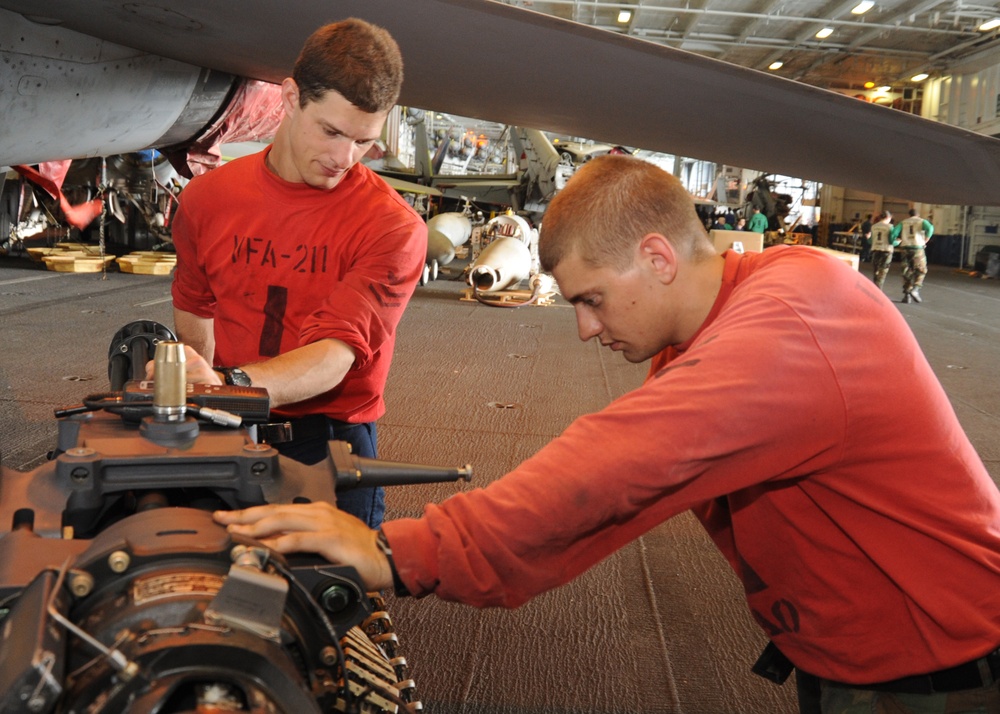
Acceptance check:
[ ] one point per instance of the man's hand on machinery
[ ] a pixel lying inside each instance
(196, 368)
(314, 528)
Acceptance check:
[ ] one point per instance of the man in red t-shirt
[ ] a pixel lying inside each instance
(838, 483)
(294, 265)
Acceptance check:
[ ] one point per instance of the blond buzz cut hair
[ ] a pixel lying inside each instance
(609, 205)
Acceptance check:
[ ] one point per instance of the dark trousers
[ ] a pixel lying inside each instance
(308, 446)
(819, 696)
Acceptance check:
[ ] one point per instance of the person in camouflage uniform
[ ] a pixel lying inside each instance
(913, 235)
(882, 245)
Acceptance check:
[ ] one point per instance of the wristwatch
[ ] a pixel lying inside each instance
(382, 543)
(235, 376)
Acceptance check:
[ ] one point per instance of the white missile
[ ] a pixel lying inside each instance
(507, 258)
(456, 226)
(503, 264)
(440, 249)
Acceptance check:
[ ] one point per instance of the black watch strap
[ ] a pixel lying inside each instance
(397, 584)
(235, 376)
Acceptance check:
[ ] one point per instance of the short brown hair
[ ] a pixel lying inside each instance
(359, 60)
(609, 205)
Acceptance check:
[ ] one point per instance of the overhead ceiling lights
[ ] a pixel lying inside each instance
(990, 24)
(869, 84)
(777, 64)
(824, 33)
(862, 7)
(624, 16)
(919, 77)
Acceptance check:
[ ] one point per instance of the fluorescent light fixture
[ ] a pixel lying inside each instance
(862, 7)
(919, 77)
(777, 64)
(990, 24)
(883, 89)
(624, 16)
(824, 33)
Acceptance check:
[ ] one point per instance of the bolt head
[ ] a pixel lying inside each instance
(119, 561)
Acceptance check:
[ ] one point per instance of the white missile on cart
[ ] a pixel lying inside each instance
(456, 226)
(445, 233)
(506, 260)
(502, 265)
(439, 247)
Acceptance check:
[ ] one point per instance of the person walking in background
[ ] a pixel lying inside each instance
(866, 239)
(913, 234)
(882, 244)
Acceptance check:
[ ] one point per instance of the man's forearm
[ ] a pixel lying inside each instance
(196, 332)
(291, 377)
(302, 373)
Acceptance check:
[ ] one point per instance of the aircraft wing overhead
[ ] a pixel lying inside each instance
(493, 61)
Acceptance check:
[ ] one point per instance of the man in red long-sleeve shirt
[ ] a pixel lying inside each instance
(837, 482)
(294, 265)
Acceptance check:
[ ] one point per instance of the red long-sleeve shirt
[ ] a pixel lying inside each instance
(806, 430)
(280, 265)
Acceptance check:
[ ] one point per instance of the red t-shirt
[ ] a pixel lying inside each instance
(806, 430)
(279, 265)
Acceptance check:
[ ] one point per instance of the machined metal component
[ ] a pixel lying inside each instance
(250, 600)
(170, 388)
(152, 589)
(119, 561)
(81, 583)
(335, 598)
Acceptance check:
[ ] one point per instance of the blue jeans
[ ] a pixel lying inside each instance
(368, 504)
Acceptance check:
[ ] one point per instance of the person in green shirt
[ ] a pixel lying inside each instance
(758, 221)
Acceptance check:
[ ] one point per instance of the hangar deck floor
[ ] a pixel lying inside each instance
(659, 627)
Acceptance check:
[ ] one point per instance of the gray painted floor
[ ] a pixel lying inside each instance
(659, 627)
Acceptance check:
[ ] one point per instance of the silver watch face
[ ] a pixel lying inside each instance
(238, 378)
